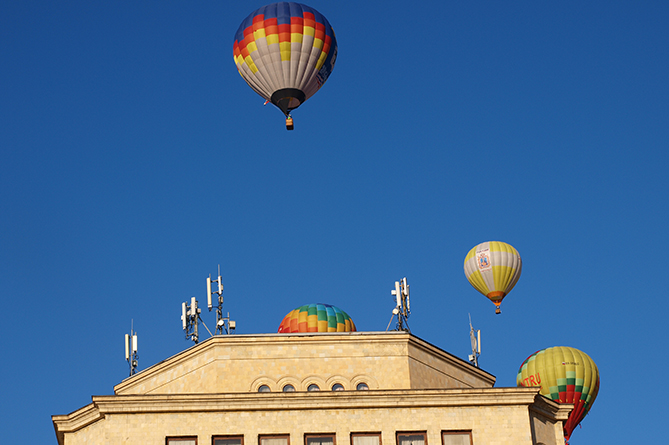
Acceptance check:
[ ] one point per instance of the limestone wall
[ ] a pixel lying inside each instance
(229, 364)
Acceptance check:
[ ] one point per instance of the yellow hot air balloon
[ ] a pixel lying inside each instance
(565, 375)
(493, 268)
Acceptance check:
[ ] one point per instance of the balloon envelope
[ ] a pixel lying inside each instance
(317, 318)
(493, 268)
(285, 52)
(565, 375)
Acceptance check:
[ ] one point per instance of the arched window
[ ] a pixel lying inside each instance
(289, 388)
(337, 387)
(264, 388)
(313, 387)
(362, 386)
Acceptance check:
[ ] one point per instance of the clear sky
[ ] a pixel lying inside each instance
(134, 160)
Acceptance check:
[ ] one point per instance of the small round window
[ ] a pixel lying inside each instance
(289, 388)
(362, 386)
(337, 387)
(313, 387)
(264, 388)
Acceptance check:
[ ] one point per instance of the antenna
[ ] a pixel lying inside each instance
(209, 292)
(190, 314)
(223, 324)
(131, 355)
(402, 308)
(475, 338)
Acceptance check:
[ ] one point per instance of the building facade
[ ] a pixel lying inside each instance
(345, 388)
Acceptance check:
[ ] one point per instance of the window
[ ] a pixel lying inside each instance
(289, 388)
(313, 387)
(181, 440)
(419, 438)
(456, 438)
(228, 440)
(337, 387)
(362, 387)
(319, 439)
(264, 388)
(274, 440)
(365, 438)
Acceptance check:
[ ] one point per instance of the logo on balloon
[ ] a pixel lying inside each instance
(533, 380)
(483, 259)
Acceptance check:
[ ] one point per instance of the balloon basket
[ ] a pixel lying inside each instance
(289, 123)
(498, 311)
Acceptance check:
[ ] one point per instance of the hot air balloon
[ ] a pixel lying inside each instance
(566, 375)
(317, 318)
(285, 52)
(493, 268)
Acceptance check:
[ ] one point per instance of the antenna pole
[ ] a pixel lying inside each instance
(402, 308)
(190, 315)
(475, 338)
(131, 354)
(223, 324)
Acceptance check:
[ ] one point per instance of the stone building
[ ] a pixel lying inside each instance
(343, 388)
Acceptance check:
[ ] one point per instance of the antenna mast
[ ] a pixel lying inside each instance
(475, 337)
(402, 305)
(190, 316)
(131, 355)
(222, 323)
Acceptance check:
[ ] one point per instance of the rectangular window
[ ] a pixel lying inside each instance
(417, 438)
(283, 439)
(456, 438)
(319, 439)
(365, 438)
(181, 440)
(228, 440)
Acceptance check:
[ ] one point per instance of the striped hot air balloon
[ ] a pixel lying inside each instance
(317, 318)
(285, 52)
(493, 268)
(565, 375)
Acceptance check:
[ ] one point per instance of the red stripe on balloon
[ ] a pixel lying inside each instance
(309, 19)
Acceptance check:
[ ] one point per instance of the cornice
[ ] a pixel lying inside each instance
(279, 401)
(380, 399)
(548, 408)
(76, 420)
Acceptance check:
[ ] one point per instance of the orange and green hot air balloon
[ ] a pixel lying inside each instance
(565, 375)
(493, 268)
(317, 318)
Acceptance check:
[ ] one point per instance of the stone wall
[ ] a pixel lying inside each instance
(226, 364)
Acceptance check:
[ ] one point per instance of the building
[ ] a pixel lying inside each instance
(342, 388)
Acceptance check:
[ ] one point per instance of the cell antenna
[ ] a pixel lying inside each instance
(190, 314)
(131, 354)
(402, 308)
(223, 324)
(190, 317)
(475, 339)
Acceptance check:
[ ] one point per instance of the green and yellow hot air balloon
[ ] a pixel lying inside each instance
(565, 375)
(493, 268)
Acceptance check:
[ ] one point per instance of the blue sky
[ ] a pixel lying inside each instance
(135, 160)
